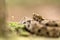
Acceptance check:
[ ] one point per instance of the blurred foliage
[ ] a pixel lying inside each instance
(19, 28)
(16, 24)
(31, 2)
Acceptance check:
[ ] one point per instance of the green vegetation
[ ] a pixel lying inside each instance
(15, 24)
(19, 28)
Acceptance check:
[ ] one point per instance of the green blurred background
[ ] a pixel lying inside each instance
(32, 2)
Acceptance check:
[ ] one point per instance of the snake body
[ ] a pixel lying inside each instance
(42, 27)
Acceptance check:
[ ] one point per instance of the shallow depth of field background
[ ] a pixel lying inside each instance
(17, 9)
(49, 9)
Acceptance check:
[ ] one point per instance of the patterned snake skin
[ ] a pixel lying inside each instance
(42, 27)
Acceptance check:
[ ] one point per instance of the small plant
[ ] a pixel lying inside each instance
(19, 28)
